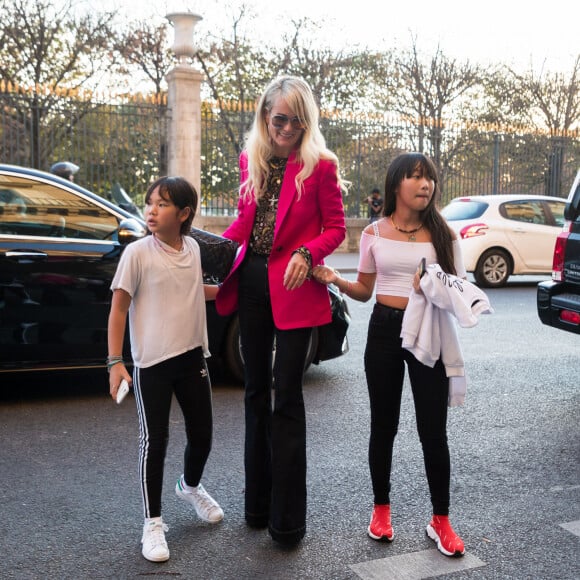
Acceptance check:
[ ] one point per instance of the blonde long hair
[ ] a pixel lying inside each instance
(298, 95)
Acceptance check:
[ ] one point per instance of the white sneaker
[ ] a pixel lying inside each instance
(205, 506)
(154, 545)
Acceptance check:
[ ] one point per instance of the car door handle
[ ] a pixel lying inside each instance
(26, 256)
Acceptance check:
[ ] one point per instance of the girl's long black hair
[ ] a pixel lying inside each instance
(405, 165)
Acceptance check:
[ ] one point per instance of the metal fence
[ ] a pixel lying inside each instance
(125, 142)
(121, 142)
(471, 160)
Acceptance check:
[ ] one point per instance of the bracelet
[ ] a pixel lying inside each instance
(305, 253)
(112, 361)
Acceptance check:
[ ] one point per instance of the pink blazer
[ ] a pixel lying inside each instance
(316, 221)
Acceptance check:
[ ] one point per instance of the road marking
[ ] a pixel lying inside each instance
(414, 566)
(573, 527)
(564, 488)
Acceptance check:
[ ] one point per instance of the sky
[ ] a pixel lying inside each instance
(520, 34)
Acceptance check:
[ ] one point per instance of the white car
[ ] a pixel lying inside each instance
(501, 235)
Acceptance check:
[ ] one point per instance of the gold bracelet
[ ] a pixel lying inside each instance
(305, 253)
(347, 292)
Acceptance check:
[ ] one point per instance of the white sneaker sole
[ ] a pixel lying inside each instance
(379, 538)
(435, 537)
(162, 558)
(180, 494)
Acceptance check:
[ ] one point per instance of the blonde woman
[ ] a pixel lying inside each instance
(290, 217)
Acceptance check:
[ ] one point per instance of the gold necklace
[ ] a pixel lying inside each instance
(410, 233)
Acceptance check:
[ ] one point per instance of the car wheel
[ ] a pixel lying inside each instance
(312, 349)
(493, 269)
(233, 350)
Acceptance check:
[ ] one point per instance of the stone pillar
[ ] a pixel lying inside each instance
(184, 104)
(184, 109)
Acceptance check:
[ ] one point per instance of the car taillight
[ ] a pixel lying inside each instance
(570, 317)
(559, 253)
(473, 230)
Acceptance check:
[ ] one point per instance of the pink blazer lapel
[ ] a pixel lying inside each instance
(288, 191)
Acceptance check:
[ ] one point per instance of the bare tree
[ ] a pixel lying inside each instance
(235, 72)
(340, 79)
(554, 98)
(547, 103)
(143, 46)
(48, 52)
(45, 44)
(430, 91)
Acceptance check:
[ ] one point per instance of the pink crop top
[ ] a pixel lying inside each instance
(395, 262)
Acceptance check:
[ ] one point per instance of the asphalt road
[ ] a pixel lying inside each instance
(71, 509)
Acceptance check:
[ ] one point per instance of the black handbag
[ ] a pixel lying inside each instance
(217, 255)
(332, 337)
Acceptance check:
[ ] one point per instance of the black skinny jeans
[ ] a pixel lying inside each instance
(185, 375)
(385, 370)
(275, 441)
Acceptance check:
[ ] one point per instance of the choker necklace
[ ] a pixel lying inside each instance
(411, 233)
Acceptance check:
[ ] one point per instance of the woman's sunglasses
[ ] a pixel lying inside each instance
(280, 121)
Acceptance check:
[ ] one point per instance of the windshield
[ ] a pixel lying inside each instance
(464, 209)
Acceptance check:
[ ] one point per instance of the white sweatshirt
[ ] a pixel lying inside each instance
(428, 330)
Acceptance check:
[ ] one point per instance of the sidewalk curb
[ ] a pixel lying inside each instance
(343, 261)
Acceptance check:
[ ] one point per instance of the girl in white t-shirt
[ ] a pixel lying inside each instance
(391, 250)
(159, 284)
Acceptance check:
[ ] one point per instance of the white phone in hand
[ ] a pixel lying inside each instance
(122, 391)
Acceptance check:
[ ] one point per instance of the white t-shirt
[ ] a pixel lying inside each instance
(167, 316)
(395, 262)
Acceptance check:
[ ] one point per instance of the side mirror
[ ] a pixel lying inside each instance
(123, 200)
(130, 230)
(572, 210)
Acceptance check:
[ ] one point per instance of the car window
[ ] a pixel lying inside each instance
(557, 209)
(34, 208)
(528, 211)
(464, 209)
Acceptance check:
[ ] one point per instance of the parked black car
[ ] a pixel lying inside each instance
(59, 249)
(558, 300)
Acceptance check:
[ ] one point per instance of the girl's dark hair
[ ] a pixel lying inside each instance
(405, 165)
(181, 193)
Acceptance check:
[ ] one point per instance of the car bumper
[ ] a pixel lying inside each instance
(554, 298)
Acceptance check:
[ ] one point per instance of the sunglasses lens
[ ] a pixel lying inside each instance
(280, 121)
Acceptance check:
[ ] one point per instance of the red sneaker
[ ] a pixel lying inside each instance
(380, 527)
(441, 532)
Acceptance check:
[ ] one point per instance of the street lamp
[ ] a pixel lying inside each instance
(183, 25)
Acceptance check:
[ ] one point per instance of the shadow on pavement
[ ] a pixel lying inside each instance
(42, 385)
(78, 383)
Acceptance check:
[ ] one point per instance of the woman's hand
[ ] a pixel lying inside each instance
(418, 275)
(417, 283)
(324, 275)
(296, 272)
